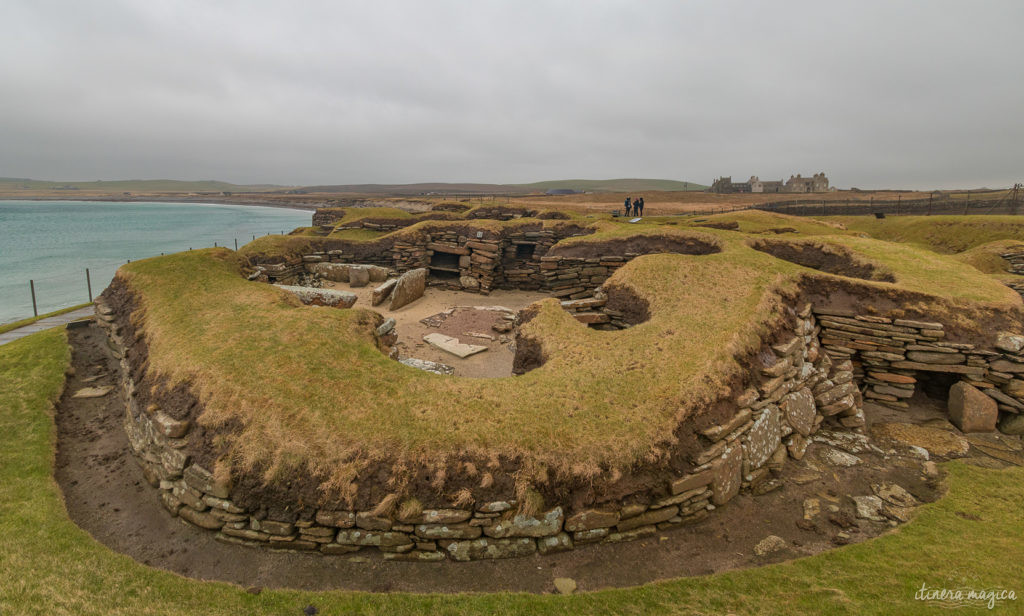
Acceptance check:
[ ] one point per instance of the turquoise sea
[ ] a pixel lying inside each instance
(53, 242)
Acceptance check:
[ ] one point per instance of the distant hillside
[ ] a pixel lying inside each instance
(135, 185)
(212, 186)
(620, 185)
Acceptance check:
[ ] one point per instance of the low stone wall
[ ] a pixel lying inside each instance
(594, 312)
(1015, 260)
(890, 356)
(794, 384)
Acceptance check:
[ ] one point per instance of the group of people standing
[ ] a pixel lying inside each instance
(636, 207)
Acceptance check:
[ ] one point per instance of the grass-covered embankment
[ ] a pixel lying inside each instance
(972, 538)
(310, 392)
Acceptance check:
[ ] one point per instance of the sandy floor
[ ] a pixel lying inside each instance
(496, 361)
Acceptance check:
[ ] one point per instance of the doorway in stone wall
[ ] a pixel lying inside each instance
(525, 251)
(444, 265)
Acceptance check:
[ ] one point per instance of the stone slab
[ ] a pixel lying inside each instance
(453, 346)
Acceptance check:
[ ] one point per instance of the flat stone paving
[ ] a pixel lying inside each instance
(46, 323)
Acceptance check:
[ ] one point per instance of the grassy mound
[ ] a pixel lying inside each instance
(303, 389)
(53, 567)
(943, 234)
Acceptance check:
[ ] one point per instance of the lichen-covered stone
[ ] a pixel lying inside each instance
(800, 410)
(337, 519)
(447, 531)
(590, 536)
(169, 426)
(200, 519)
(202, 480)
(631, 535)
(273, 527)
(322, 297)
(489, 548)
(383, 291)
(356, 536)
(652, 516)
(410, 287)
(358, 276)
(763, 438)
(520, 525)
(727, 470)
(558, 543)
(591, 519)
(415, 556)
(337, 272)
(438, 516)
(368, 521)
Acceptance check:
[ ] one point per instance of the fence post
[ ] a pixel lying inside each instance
(236, 244)
(88, 284)
(32, 287)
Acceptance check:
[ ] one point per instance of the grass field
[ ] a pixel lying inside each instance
(972, 538)
(943, 234)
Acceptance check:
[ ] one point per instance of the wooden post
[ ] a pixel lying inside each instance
(88, 284)
(32, 287)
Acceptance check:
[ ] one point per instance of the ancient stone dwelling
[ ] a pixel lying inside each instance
(795, 184)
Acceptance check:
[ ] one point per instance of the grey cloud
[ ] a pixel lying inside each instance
(877, 94)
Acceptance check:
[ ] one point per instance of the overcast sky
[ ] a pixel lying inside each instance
(926, 94)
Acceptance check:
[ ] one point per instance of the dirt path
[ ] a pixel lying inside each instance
(106, 495)
(45, 323)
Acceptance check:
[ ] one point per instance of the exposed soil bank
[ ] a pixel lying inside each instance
(106, 494)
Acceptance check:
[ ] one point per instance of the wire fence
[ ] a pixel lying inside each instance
(41, 294)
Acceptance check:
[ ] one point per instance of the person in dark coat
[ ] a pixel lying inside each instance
(640, 212)
(636, 207)
(627, 206)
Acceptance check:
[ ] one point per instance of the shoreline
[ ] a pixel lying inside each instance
(185, 200)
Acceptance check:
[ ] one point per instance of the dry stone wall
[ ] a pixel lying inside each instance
(1015, 261)
(773, 420)
(890, 357)
(466, 259)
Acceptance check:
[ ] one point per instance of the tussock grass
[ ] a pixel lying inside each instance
(972, 537)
